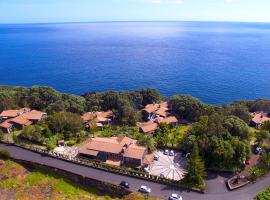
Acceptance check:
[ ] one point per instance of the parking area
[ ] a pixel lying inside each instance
(169, 166)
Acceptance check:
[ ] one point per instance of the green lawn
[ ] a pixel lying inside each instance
(15, 179)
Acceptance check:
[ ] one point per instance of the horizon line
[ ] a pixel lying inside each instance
(131, 21)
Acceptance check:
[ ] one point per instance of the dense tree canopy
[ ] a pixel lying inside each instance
(237, 127)
(64, 122)
(188, 107)
(222, 140)
(260, 105)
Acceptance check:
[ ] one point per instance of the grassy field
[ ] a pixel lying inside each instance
(16, 182)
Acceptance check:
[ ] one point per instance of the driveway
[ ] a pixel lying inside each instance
(216, 189)
(171, 167)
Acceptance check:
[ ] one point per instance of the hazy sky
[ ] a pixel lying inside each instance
(33, 11)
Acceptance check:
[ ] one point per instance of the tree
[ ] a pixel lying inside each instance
(125, 114)
(32, 133)
(195, 169)
(4, 154)
(162, 134)
(266, 126)
(261, 105)
(63, 122)
(147, 140)
(188, 107)
(237, 127)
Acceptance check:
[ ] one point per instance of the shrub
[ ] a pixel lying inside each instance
(71, 143)
(4, 154)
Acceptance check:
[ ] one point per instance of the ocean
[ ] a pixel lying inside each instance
(215, 62)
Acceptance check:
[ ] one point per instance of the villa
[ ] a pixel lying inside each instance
(258, 118)
(118, 151)
(155, 114)
(97, 119)
(18, 119)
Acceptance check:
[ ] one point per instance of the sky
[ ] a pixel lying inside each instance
(46, 11)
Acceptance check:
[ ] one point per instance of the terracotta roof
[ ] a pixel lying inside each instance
(86, 151)
(148, 159)
(134, 151)
(164, 104)
(23, 110)
(33, 115)
(10, 113)
(168, 120)
(150, 108)
(162, 112)
(97, 116)
(260, 118)
(125, 140)
(108, 114)
(104, 144)
(21, 120)
(148, 127)
(87, 116)
(99, 119)
(158, 108)
(6, 124)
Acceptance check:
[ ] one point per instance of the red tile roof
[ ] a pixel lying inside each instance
(115, 145)
(34, 115)
(97, 118)
(260, 117)
(6, 124)
(10, 113)
(148, 127)
(21, 121)
(168, 120)
(148, 159)
(134, 151)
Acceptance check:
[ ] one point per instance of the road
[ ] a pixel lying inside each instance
(216, 189)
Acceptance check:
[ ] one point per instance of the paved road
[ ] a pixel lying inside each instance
(216, 189)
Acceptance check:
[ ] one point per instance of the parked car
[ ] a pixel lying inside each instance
(147, 169)
(184, 154)
(171, 153)
(188, 155)
(258, 150)
(145, 189)
(175, 197)
(247, 162)
(125, 184)
(137, 168)
(166, 152)
(156, 157)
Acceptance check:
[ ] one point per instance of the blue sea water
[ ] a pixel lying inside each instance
(216, 62)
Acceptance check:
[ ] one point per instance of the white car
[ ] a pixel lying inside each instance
(166, 152)
(171, 153)
(145, 189)
(147, 169)
(175, 197)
